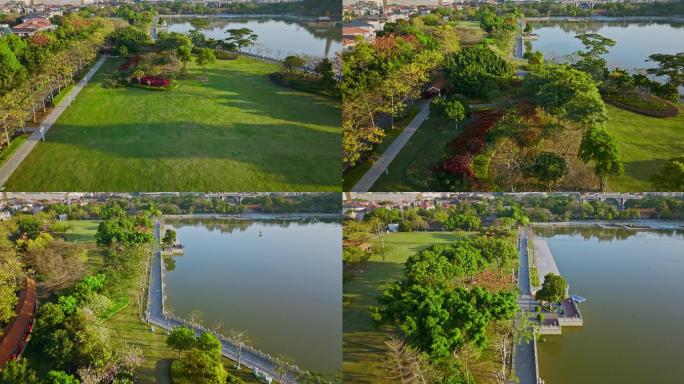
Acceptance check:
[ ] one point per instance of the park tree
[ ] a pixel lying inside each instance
(549, 168)
(452, 109)
(407, 365)
(462, 221)
(600, 147)
(29, 225)
(129, 40)
(553, 288)
(671, 176)
(59, 377)
(671, 66)
(138, 74)
(240, 38)
(293, 63)
(566, 93)
(18, 372)
(197, 34)
(474, 70)
(169, 237)
(240, 339)
(12, 72)
(203, 58)
(184, 55)
(11, 276)
(324, 69)
(181, 339)
(591, 59)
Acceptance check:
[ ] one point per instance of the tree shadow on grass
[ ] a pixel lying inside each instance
(186, 156)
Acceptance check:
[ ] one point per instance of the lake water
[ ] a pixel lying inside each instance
(634, 309)
(283, 287)
(635, 41)
(278, 38)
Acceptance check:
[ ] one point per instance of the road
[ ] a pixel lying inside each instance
(373, 174)
(156, 316)
(13, 162)
(525, 358)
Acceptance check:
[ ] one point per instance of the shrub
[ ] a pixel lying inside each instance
(112, 83)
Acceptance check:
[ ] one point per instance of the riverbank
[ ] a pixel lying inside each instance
(617, 224)
(249, 16)
(608, 18)
(256, 216)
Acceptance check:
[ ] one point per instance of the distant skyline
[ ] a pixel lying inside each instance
(399, 2)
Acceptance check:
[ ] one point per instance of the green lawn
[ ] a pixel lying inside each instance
(237, 131)
(81, 231)
(426, 147)
(364, 347)
(645, 144)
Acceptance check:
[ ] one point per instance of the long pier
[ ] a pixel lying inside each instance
(157, 315)
(526, 361)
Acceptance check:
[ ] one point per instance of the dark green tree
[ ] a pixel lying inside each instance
(601, 148)
(553, 288)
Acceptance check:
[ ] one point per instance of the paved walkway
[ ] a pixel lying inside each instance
(13, 162)
(525, 354)
(156, 316)
(373, 174)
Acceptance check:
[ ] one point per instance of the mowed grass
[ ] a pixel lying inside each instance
(646, 143)
(236, 131)
(426, 147)
(81, 231)
(363, 343)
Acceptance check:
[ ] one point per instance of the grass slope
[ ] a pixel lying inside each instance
(645, 144)
(363, 343)
(235, 132)
(81, 231)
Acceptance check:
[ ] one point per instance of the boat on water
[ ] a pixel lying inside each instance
(578, 298)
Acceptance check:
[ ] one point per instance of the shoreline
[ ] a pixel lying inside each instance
(249, 16)
(616, 224)
(255, 216)
(675, 19)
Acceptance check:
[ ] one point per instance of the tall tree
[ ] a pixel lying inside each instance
(599, 146)
(203, 58)
(591, 59)
(240, 38)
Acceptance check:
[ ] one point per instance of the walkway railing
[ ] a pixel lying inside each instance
(171, 320)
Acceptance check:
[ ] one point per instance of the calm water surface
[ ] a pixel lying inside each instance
(277, 38)
(283, 287)
(634, 311)
(635, 41)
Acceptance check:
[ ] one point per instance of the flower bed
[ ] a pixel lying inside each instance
(643, 104)
(469, 144)
(152, 81)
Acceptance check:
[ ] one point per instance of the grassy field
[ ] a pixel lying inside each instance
(237, 131)
(421, 152)
(363, 343)
(645, 144)
(81, 231)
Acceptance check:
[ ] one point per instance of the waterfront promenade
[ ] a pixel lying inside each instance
(525, 358)
(157, 315)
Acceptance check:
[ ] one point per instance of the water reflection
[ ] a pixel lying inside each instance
(605, 234)
(280, 280)
(277, 37)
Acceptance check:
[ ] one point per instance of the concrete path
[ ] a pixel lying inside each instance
(13, 162)
(155, 315)
(373, 174)
(525, 353)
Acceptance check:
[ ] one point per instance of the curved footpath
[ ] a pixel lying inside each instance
(157, 316)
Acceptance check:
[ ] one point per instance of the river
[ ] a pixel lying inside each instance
(279, 280)
(635, 40)
(278, 38)
(634, 310)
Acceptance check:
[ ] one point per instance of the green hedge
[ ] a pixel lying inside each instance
(9, 150)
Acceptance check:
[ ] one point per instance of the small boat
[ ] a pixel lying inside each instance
(578, 298)
(260, 234)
